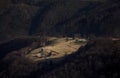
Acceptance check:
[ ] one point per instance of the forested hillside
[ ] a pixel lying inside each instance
(59, 17)
(83, 34)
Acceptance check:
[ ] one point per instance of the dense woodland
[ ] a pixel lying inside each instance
(59, 17)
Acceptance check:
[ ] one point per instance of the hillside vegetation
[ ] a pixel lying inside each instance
(60, 17)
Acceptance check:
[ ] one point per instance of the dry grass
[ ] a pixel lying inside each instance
(61, 46)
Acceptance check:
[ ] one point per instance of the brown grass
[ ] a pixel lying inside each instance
(60, 46)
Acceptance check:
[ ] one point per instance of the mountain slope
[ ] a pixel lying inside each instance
(60, 17)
